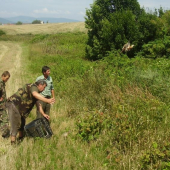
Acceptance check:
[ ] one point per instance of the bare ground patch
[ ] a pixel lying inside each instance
(10, 60)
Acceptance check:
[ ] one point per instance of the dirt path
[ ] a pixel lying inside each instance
(10, 60)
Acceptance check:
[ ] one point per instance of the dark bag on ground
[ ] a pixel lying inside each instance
(38, 128)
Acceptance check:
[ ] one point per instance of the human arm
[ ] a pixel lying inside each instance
(2, 92)
(40, 97)
(39, 107)
(52, 93)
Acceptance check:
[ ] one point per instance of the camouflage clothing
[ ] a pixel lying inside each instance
(2, 94)
(4, 121)
(19, 106)
(23, 99)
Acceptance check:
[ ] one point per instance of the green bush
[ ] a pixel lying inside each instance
(2, 32)
(36, 22)
(19, 23)
(158, 157)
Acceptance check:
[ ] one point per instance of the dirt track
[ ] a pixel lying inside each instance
(10, 60)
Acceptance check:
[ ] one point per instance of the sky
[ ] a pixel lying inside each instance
(71, 9)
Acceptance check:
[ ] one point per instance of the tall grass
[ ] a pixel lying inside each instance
(115, 111)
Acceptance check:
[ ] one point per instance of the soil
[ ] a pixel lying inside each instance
(10, 60)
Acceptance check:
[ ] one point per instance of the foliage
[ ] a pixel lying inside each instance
(157, 49)
(38, 38)
(166, 20)
(19, 23)
(36, 22)
(111, 24)
(2, 32)
(90, 126)
(108, 23)
(157, 157)
(125, 125)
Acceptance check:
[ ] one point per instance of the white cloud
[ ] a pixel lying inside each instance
(46, 11)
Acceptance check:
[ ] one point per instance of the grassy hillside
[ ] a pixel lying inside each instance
(115, 111)
(43, 28)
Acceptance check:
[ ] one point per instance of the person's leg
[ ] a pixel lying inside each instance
(4, 124)
(21, 130)
(39, 115)
(14, 119)
(47, 108)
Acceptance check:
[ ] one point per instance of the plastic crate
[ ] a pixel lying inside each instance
(38, 128)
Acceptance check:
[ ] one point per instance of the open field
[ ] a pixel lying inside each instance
(43, 28)
(114, 111)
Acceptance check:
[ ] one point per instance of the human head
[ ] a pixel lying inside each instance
(41, 84)
(45, 68)
(5, 76)
(46, 71)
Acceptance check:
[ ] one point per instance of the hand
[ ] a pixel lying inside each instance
(51, 101)
(1, 99)
(46, 116)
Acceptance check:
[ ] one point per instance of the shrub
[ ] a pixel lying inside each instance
(2, 32)
(36, 22)
(157, 49)
(157, 157)
(19, 23)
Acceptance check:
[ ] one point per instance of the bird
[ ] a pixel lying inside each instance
(127, 47)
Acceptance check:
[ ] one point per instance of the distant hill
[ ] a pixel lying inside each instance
(5, 21)
(27, 19)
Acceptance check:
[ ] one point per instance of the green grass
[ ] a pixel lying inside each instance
(115, 110)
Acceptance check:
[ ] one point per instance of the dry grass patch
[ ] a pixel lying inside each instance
(44, 28)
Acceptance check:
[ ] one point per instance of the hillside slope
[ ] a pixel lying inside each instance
(44, 28)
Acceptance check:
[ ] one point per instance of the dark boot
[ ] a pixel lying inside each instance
(20, 139)
(6, 133)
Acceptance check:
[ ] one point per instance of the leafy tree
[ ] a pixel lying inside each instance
(19, 23)
(112, 23)
(36, 22)
(166, 22)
